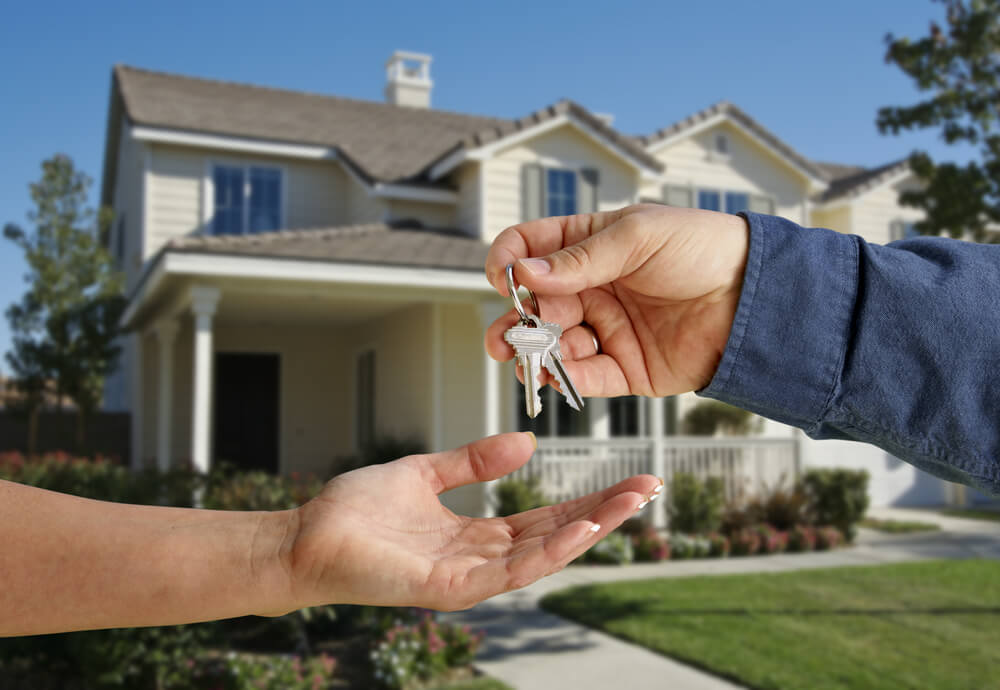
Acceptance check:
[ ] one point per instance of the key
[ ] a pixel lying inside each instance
(553, 363)
(532, 345)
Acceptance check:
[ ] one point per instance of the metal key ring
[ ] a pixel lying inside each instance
(512, 289)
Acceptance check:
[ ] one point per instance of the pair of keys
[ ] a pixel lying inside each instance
(536, 344)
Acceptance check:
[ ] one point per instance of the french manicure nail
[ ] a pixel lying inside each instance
(654, 496)
(641, 505)
(659, 488)
(536, 266)
(595, 527)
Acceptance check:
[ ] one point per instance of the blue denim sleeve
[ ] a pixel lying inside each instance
(895, 345)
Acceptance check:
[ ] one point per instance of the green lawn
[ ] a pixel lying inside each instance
(973, 513)
(914, 625)
(899, 526)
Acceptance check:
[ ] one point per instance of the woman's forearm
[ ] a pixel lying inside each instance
(69, 563)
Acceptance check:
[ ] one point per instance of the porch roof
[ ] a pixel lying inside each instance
(389, 258)
(375, 243)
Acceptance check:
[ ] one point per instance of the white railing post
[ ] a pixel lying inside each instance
(658, 464)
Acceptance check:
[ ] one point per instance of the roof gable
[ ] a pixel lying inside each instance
(853, 181)
(724, 111)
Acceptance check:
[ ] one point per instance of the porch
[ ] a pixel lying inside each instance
(572, 467)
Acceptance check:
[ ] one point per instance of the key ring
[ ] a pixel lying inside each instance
(517, 302)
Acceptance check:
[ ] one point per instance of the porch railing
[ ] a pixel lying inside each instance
(571, 467)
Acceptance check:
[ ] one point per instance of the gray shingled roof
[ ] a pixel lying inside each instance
(851, 181)
(727, 108)
(373, 243)
(383, 142)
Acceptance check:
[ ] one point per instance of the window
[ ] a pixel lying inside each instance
(364, 421)
(709, 200)
(721, 144)
(247, 199)
(624, 416)
(736, 202)
(556, 418)
(561, 192)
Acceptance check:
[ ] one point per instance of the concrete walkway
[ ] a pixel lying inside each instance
(530, 649)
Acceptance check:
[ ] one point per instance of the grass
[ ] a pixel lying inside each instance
(934, 624)
(973, 513)
(899, 526)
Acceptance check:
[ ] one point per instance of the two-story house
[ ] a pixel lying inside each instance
(304, 272)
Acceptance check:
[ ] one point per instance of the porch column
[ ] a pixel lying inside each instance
(204, 301)
(659, 465)
(600, 418)
(492, 394)
(166, 331)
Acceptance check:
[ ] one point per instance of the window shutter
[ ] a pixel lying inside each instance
(586, 200)
(532, 192)
(762, 204)
(674, 195)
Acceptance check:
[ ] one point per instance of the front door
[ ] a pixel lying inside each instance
(246, 410)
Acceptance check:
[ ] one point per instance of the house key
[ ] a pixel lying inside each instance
(536, 344)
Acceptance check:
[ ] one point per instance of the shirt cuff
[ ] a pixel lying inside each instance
(786, 348)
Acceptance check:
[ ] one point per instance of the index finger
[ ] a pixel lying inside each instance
(540, 238)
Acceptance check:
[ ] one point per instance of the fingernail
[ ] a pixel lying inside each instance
(654, 496)
(534, 439)
(659, 488)
(536, 266)
(595, 527)
(641, 505)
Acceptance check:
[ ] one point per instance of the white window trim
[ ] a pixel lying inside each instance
(208, 190)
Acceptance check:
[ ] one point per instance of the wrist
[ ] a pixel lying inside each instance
(271, 563)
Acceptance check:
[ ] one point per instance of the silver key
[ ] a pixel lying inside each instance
(532, 345)
(553, 363)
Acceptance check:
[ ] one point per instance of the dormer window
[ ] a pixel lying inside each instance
(246, 199)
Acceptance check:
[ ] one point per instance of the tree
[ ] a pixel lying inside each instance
(65, 324)
(959, 67)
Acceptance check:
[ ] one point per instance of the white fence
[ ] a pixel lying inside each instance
(572, 467)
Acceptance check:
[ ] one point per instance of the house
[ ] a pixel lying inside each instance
(304, 272)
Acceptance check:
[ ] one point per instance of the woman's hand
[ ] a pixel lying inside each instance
(380, 535)
(659, 286)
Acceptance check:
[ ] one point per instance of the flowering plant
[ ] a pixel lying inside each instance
(648, 545)
(409, 652)
(801, 538)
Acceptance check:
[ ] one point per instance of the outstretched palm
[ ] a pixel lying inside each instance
(380, 535)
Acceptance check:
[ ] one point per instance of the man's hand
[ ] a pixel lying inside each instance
(380, 535)
(659, 286)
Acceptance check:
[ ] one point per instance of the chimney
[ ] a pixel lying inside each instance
(408, 79)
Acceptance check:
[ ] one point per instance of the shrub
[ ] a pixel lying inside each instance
(229, 490)
(614, 549)
(689, 546)
(383, 449)
(771, 540)
(281, 672)
(828, 538)
(837, 497)
(746, 542)
(695, 506)
(740, 515)
(709, 416)
(718, 545)
(408, 653)
(518, 495)
(784, 508)
(633, 527)
(801, 538)
(649, 546)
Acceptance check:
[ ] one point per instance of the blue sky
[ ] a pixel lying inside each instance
(813, 73)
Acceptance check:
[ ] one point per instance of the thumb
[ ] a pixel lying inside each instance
(596, 260)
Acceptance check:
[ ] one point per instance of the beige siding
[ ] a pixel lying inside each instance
(749, 168)
(127, 203)
(875, 212)
(563, 147)
(316, 194)
(361, 206)
(431, 215)
(467, 210)
(314, 391)
(838, 218)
